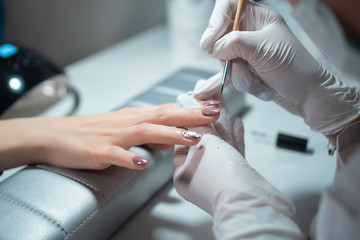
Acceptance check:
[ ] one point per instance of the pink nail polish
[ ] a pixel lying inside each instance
(139, 161)
(211, 103)
(210, 112)
(191, 135)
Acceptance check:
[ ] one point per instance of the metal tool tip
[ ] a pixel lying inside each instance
(225, 73)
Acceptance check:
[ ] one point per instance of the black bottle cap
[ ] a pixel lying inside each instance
(291, 142)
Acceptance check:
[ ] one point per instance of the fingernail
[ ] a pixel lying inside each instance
(139, 161)
(211, 103)
(191, 135)
(210, 112)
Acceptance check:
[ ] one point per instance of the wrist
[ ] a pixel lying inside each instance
(333, 138)
(18, 143)
(332, 105)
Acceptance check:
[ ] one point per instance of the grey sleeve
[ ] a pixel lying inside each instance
(339, 210)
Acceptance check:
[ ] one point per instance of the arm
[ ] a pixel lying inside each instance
(98, 141)
(17, 144)
(333, 137)
(339, 212)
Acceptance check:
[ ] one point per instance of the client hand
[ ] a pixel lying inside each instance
(98, 141)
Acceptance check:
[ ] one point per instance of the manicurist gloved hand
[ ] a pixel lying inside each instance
(269, 62)
(99, 141)
(215, 176)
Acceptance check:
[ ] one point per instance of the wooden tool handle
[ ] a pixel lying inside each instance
(239, 7)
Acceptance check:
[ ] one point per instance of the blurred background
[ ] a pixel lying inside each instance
(68, 30)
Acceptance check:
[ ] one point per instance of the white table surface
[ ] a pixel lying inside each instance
(111, 77)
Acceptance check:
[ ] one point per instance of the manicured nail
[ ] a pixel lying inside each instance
(139, 161)
(211, 103)
(210, 112)
(191, 135)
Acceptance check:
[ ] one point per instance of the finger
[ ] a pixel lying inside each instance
(238, 135)
(180, 154)
(163, 147)
(223, 124)
(245, 79)
(214, 103)
(205, 89)
(260, 90)
(187, 100)
(147, 133)
(220, 22)
(255, 17)
(185, 172)
(170, 115)
(237, 44)
(118, 156)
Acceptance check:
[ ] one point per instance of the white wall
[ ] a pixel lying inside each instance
(68, 30)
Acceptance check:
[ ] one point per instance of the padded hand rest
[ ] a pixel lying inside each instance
(44, 202)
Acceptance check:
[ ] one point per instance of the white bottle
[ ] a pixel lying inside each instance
(187, 20)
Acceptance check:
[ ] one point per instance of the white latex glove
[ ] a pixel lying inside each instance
(267, 58)
(215, 176)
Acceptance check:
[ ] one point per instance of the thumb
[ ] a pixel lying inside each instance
(207, 88)
(238, 135)
(180, 154)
